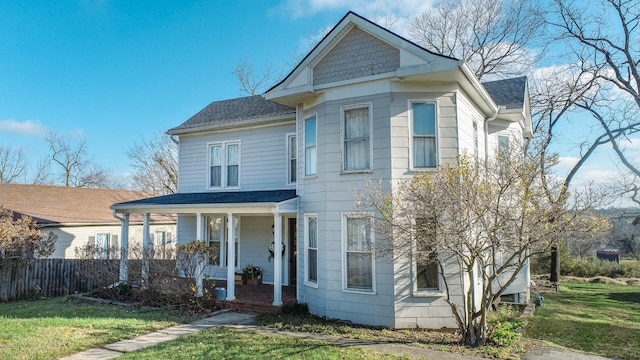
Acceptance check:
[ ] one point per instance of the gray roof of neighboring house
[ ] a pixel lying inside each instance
(235, 112)
(508, 92)
(230, 197)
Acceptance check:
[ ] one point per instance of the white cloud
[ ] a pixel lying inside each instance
(27, 127)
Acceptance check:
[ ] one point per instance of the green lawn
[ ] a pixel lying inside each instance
(226, 343)
(48, 329)
(597, 318)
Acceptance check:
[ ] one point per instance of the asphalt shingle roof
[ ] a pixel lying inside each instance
(52, 205)
(508, 92)
(235, 197)
(238, 110)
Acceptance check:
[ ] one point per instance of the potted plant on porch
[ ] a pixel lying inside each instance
(252, 274)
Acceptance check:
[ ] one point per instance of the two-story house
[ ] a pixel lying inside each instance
(270, 179)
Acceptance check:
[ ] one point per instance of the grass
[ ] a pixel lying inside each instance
(602, 319)
(51, 328)
(226, 343)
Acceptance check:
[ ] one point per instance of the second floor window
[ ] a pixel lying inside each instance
(310, 153)
(357, 138)
(292, 158)
(224, 165)
(424, 134)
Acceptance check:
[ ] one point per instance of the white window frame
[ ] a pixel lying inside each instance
(304, 133)
(436, 136)
(224, 165)
(345, 270)
(307, 218)
(224, 239)
(343, 140)
(291, 151)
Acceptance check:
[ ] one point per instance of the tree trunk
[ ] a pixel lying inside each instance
(555, 264)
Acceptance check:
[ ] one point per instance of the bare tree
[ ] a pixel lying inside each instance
(21, 238)
(494, 37)
(76, 168)
(41, 172)
(12, 164)
(253, 82)
(478, 223)
(602, 37)
(155, 161)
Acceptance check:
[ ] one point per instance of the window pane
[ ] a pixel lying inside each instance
(310, 131)
(313, 265)
(216, 155)
(232, 154)
(313, 233)
(310, 160)
(427, 275)
(356, 123)
(232, 175)
(503, 144)
(216, 176)
(424, 152)
(424, 119)
(292, 147)
(356, 155)
(359, 271)
(358, 234)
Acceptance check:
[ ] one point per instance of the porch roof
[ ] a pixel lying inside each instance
(179, 201)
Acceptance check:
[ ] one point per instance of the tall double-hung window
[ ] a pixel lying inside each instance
(224, 165)
(310, 146)
(423, 127)
(311, 242)
(356, 137)
(426, 265)
(358, 260)
(292, 159)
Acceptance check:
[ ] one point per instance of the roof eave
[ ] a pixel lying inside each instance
(271, 120)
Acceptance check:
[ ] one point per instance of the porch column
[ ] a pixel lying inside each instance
(145, 250)
(231, 257)
(200, 265)
(277, 259)
(124, 248)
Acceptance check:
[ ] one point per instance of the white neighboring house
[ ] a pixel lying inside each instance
(278, 171)
(81, 216)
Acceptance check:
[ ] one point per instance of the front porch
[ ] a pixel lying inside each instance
(255, 298)
(241, 226)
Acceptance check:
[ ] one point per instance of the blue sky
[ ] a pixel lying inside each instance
(113, 72)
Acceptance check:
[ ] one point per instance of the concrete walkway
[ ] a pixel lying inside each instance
(246, 322)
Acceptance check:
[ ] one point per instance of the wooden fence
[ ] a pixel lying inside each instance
(40, 278)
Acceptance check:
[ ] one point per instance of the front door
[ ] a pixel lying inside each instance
(293, 249)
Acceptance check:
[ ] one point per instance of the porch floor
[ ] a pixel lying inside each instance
(255, 298)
